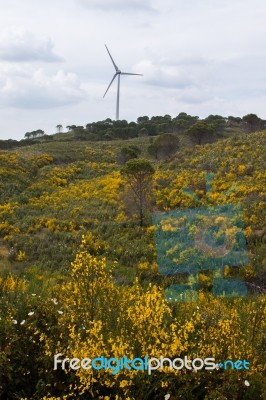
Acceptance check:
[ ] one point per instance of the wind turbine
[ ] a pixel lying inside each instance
(117, 74)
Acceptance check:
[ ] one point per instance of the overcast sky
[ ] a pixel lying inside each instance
(198, 56)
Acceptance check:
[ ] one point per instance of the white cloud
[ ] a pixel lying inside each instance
(195, 95)
(20, 45)
(118, 5)
(163, 74)
(38, 90)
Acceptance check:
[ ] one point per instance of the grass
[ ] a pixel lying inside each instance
(64, 149)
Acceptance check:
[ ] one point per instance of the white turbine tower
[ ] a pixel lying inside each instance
(117, 74)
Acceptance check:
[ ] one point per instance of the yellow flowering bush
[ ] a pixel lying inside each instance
(101, 318)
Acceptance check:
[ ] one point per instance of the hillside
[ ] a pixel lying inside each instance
(78, 272)
(53, 193)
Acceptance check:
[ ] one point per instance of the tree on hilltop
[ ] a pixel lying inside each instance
(38, 132)
(142, 120)
(217, 121)
(201, 132)
(253, 122)
(71, 127)
(59, 128)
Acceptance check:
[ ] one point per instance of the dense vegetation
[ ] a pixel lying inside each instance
(79, 272)
(200, 131)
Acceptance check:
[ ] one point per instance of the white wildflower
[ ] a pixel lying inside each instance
(22, 322)
(31, 313)
(247, 383)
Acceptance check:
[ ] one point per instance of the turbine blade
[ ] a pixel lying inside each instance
(127, 73)
(116, 67)
(110, 84)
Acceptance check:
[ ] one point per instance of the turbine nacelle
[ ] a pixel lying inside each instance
(118, 73)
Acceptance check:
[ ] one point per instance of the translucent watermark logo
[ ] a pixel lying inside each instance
(115, 365)
(189, 241)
